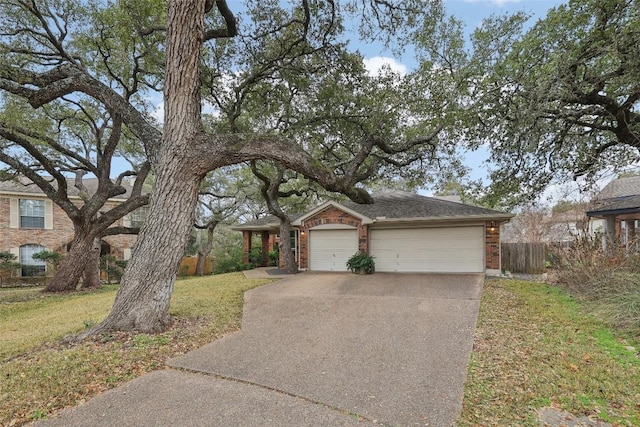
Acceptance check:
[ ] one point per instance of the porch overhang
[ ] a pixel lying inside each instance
(627, 208)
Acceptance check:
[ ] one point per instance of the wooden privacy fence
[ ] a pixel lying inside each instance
(528, 258)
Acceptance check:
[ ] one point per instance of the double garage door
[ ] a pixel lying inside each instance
(441, 250)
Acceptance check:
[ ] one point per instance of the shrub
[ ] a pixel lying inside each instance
(52, 258)
(112, 267)
(361, 262)
(607, 282)
(229, 261)
(273, 257)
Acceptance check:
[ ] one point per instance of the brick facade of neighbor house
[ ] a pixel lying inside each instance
(58, 236)
(329, 216)
(492, 246)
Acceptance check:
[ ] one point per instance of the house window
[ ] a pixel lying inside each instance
(31, 267)
(31, 213)
(139, 216)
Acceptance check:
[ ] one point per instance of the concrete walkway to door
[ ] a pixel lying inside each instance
(316, 350)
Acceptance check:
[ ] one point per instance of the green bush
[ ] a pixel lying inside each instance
(361, 262)
(112, 267)
(229, 261)
(273, 258)
(52, 258)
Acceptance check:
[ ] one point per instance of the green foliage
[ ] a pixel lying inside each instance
(558, 99)
(52, 258)
(229, 259)
(274, 257)
(361, 262)
(113, 268)
(256, 256)
(7, 261)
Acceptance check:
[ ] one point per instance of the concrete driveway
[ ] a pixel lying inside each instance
(321, 349)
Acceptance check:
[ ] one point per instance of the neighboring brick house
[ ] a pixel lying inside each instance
(405, 232)
(30, 223)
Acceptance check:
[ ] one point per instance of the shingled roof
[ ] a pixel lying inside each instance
(395, 206)
(621, 187)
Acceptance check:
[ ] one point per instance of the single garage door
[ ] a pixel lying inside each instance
(438, 250)
(329, 250)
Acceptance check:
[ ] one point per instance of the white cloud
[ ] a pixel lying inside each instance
(158, 112)
(375, 64)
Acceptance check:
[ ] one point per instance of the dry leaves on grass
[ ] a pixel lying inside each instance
(534, 348)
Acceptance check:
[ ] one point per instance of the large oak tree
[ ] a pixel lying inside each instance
(558, 100)
(199, 59)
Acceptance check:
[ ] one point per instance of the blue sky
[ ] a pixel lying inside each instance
(471, 13)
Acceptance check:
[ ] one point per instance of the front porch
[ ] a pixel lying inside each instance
(619, 221)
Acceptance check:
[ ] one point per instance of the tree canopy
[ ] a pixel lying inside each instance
(339, 126)
(558, 100)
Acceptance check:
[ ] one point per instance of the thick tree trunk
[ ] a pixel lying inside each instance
(204, 249)
(73, 266)
(142, 302)
(91, 275)
(285, 246)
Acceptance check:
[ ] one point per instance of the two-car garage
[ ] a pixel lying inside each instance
(435, 249)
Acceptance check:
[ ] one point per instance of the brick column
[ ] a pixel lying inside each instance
(492, 245)
(246, 245)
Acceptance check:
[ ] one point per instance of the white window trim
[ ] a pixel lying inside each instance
(14, 212)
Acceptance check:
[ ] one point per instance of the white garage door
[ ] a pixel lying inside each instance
(441, 250)
(329, 250)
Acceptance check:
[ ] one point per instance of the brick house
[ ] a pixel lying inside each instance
(30, 223)
(405, 232)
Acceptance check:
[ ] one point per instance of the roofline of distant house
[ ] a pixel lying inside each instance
(44, 196)
(609, 212)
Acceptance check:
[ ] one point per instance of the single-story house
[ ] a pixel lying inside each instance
(405, 232)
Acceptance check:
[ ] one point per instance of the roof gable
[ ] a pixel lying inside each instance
(365, 219)
(621, 187)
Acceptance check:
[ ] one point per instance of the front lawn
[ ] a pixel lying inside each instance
(534, 347)
(40, 374)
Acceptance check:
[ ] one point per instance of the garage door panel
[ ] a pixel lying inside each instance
(329, 250)
(446, 249)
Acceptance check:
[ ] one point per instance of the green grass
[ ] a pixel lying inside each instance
(535, 347)
(39, 374)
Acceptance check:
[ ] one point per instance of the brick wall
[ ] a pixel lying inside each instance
(55, 239)
(492, 245)
(331, 215)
